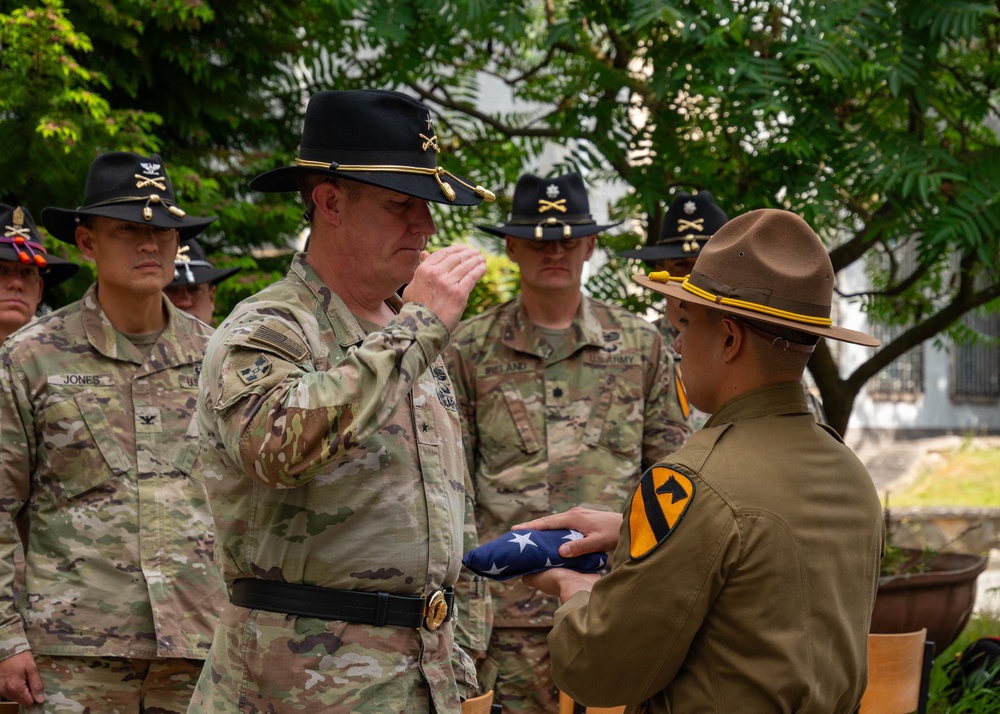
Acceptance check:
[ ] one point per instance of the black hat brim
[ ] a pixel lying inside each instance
(212, 276)
(425, 186)
(56, 269)
(61, 222)
(653, 253)
(556, 232)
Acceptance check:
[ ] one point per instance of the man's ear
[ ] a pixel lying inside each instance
(329, 199)
(734, 336)
(591, 242)
(511, 247)
(85, 241)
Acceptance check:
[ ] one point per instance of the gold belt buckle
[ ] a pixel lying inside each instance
(435, 610)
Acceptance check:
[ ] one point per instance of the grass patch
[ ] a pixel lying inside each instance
(965, 476)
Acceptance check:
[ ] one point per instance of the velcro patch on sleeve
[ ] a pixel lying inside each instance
(279, 338)
(658, 505)
(682, 396)
(255, 371)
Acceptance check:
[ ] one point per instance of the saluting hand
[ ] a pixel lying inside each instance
(443, 281)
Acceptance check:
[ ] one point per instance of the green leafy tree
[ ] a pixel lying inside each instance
(875, 121)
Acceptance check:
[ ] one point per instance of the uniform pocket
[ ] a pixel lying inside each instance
(617, 417)
(506, 433)
(79, 445)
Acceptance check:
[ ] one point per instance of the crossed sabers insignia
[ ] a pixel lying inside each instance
(697, 224)
(544, 205)
(430, 142)
(182, 254)
(160, 183)
(17, 231)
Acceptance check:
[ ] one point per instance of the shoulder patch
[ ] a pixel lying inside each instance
(283, 341)
(255, 372)
(682, 397)
(658, 505)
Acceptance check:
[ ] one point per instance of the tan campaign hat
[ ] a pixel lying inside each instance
(768, 265)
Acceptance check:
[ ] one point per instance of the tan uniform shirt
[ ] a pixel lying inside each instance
(99, 448)
(759, 599)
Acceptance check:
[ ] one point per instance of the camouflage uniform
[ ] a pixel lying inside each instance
(334, 460)
(100, 449)
(547, 428)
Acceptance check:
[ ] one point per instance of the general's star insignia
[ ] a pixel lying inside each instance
(658, 505)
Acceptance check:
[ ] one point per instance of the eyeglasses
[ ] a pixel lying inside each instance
(28, 274)
(567, 244)
(195, 291)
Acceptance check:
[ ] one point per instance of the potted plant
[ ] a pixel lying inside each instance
(928, 588)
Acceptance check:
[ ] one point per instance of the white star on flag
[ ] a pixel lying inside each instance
(522, 540)
(573, 535)
(495, 570)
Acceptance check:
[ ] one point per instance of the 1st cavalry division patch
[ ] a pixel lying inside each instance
(658, 505)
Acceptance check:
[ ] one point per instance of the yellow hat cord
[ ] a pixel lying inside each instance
(436, 172)
(663, 276)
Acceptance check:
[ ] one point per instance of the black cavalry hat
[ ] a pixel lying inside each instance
(377, 137)
(192, 268)
(20, 242)
(690, 221)
(549, 209)
(129, 187)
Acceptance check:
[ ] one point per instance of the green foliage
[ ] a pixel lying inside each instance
(874, 121)
(978, 700)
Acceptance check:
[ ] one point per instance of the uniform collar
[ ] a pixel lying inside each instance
(785, 398)
(520, 333)
(177, 344)
(345, 325)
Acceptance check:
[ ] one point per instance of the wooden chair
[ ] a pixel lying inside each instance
(568, 706)
(898, 673)
(483, 704)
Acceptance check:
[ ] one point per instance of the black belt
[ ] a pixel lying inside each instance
(379, 609)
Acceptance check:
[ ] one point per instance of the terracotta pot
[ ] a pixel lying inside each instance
(940, 597)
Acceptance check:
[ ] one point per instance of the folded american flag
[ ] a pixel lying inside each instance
(523, 552)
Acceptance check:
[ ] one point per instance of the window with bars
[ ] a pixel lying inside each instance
(903, 379)
(975, 368)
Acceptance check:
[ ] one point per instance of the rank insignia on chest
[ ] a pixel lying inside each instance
(258, 370)
(658, 505)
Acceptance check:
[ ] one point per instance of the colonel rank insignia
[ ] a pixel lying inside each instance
(658, 505)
